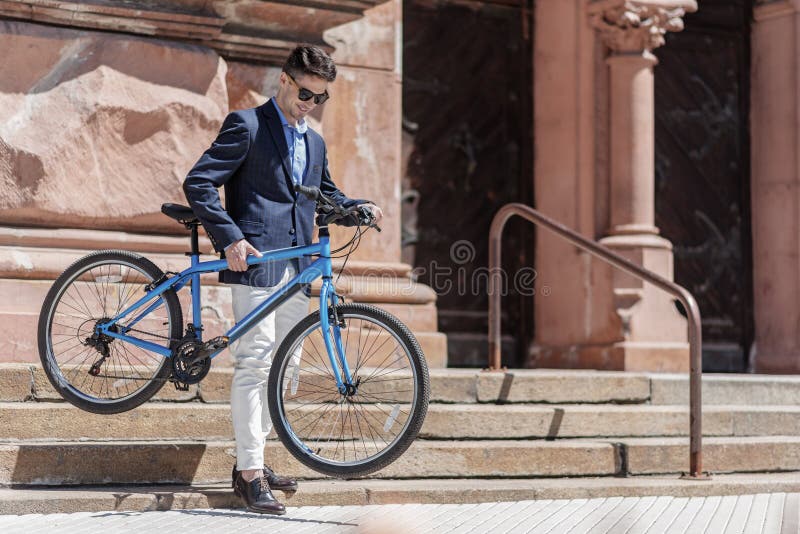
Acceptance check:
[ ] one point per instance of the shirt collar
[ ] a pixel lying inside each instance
(302, 125)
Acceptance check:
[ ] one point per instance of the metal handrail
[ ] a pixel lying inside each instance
(604, 253)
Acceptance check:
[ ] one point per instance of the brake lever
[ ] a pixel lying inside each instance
(369, 218)
(326, 206)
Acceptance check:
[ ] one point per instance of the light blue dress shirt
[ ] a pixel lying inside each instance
(296, 141)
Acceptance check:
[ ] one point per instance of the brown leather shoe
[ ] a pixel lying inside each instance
(275, 481)
(257, 496)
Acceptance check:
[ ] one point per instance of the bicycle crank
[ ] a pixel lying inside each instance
(191, 360)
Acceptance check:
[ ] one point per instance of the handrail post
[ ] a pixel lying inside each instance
(495, 252)
(695, 387)
(620, 262)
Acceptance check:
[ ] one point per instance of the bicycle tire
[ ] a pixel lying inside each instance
(95, 284)
(365, 404)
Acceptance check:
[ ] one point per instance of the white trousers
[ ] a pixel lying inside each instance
(253, 356)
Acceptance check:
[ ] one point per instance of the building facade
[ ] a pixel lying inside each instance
(665, 129)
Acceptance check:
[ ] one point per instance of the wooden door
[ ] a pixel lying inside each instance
(703, 172)
(467, 107)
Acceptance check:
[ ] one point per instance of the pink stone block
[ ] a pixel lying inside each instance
(132, 116)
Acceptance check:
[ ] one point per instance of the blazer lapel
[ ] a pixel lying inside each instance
(279, 139)
(313, 154)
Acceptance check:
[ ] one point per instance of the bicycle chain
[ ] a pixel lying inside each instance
(134, 378)
(151, 334)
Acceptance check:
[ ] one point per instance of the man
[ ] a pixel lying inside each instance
(258, 156)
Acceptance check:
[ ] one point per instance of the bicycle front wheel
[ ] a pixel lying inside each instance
(95, 289)
(364, 429)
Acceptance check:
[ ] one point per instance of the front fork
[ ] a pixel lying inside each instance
(328, 300)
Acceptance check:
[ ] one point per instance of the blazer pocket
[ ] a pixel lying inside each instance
(251, 227)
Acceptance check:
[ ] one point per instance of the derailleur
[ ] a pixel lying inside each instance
(100, 343)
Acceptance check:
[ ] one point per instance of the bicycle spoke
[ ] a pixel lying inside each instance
(333, 426)
(75, 344)
(83, 301)
(372, 428)
(100, 301)
(325, 411)
(360, 431)
(61, 324)
(81, 353)
(399, 358)
(360, 345)
(313, 388)
(74, 308)
(378, 400)
(374, 380)
(320, 358)
(129, 293)
(376, 377)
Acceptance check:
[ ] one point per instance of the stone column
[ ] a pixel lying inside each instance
(654, 333)
(775, 175)
(572, 325)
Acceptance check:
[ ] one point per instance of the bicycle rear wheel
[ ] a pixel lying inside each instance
(365, 429)
(94, 289)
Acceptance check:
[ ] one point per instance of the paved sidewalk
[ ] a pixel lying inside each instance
(776, 513)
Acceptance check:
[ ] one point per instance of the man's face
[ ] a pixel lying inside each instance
(289, 94)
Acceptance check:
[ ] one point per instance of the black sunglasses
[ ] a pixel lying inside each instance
(305, 95)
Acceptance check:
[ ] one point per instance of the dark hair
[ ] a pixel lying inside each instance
(309, 60)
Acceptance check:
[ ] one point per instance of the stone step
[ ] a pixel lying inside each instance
(20, 382)
(162, 420)
(373, 492)
(749, 454)
(187, 462)
(728, 388)
(550, 386)
(493, 421)
(132, 462)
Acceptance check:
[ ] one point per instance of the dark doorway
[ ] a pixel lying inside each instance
(703, 172)
(467, 108)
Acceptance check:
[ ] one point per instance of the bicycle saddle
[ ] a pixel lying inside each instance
(182, 214)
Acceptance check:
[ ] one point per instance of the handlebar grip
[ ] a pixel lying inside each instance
(313, 193)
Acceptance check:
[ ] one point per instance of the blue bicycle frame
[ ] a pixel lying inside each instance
(319, 268)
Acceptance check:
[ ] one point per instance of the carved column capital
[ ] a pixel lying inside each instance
(637, 25)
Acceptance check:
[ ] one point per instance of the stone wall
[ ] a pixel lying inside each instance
(98, 129)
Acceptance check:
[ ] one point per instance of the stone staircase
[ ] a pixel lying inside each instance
(487, 436)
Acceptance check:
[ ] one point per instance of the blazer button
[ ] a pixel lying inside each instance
(291, 232)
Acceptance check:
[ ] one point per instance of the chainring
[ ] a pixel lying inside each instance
(183, 370)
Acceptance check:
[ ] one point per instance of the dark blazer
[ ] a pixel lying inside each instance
(251, 160)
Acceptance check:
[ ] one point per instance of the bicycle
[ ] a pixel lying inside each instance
(348, 387)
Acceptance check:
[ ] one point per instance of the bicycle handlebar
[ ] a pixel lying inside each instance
(332, 211)
(312, 193)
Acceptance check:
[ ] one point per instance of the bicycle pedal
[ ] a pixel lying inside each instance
(180, 386)
(217, 343)
(208, 348)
